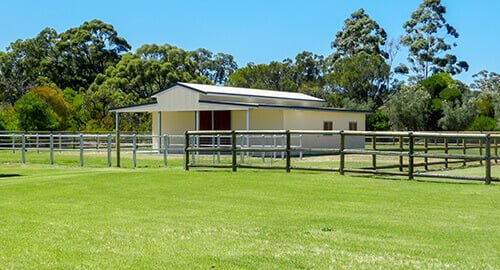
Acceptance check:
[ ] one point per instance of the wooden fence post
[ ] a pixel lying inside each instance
(81, 150)
(481, 150)
(401, 149)
(426, 150)
(288, 151)
(496, 150)
(411, 141)
(446, 152)
(51, 148)
(186, 151)
(233, 151)
(374, 148)
(37, 143)
(109, 149)
(134, 150)
(464, 150)
(23, 148)
(487, 158)
(13, 143)
(341, 150)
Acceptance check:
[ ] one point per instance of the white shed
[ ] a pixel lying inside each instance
(189, 106)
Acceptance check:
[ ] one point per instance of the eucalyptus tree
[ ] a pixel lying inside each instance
(426, 38)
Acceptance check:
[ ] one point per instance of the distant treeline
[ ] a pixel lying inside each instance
(70, 80)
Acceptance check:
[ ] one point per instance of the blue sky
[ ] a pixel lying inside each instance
(254, 31)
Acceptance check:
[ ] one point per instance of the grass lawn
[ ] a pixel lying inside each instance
(64, 217)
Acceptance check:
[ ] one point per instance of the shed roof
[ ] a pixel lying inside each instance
(246, 92)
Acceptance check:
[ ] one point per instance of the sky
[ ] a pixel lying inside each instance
(256, 31)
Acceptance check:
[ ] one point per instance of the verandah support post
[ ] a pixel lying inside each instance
(426, 150)
(401, 148)
(341, 150)
(186, 151)
(411, 142)
(51, 148)
(374, 148)
(233, 151)
(288, 151)
(487, 158)
(117, 129)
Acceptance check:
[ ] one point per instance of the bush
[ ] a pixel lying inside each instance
(34, 114)
(483, 123)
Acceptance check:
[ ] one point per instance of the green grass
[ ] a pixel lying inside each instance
(64, 217)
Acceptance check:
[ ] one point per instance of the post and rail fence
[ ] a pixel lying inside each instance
(412, 145)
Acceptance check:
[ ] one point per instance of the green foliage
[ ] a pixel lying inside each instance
(408, 109)
(426, 42)
(456, 115)
(483, 123)
(34, 114)
(8, 118)
(359, 34)
(378, 121)
(363, 77)
(304, 74)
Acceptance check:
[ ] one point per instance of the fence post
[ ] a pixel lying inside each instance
(166, 142)
(341, 150)
(401, 149)
(109, 149)
(233, 150)
(134, 150)
(23, 148)
(81, 150)
(218, 146)
(481, 150)
(37, 143)
(263, 154)
(13, 143)
(288, 151)
(186, 151)
(426, 150)
(487, 158)
(464, 150)
(446, 152)
(411, 142)
(51, 148)
(374, 148)
(300, 145)
(60, 143)
(496, 150)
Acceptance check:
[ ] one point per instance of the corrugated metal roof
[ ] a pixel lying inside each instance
(249, 92)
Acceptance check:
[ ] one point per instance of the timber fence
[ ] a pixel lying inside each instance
(412, 150)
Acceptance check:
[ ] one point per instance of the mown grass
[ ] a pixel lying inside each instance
(64, 216)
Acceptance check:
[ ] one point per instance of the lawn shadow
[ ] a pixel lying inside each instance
(9, 175)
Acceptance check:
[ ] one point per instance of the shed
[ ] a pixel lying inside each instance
(190, 106)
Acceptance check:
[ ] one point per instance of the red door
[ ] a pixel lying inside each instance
(215, 120)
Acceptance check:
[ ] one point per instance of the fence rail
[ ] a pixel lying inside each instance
(411, 145)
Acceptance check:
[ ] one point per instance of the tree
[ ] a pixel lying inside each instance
(362, 77)
(408, 108)
(359, 34)
(305, 74)
(84, 52)
(457, 116)
(426, 34)
(24, 64)
(34, 114)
